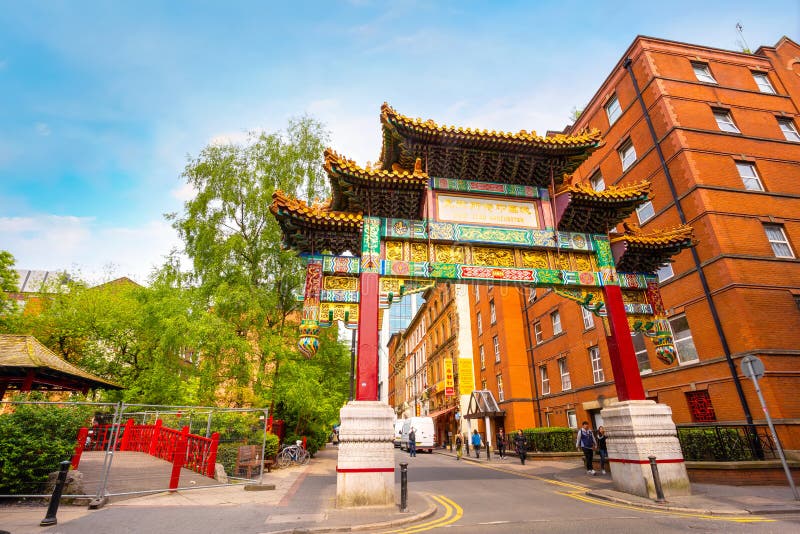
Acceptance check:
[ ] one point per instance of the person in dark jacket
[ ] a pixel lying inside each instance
(602, 448)
(412, 443)
(476, 443)
(520, 446)
(501, 444)
(587, 444)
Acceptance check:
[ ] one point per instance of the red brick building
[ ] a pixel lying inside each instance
(719, 142)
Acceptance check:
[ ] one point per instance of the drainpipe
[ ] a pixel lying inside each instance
(529, 350)
(628, 64)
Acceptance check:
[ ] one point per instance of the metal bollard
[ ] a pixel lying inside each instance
(403, 486)
(55, 499)
(657, 480)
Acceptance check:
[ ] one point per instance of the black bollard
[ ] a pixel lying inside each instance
(52, 509)
(403, 486)
(657, 480)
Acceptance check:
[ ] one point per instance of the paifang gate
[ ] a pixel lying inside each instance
(472, 206)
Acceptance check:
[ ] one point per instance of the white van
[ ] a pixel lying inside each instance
(398, 431)
(423, 426)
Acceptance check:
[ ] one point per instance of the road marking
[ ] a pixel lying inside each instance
(578, 491)
(452, 513)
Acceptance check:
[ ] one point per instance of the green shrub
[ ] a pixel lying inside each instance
(34, 439)
(548, 439)
(714, 444)
(227, 452)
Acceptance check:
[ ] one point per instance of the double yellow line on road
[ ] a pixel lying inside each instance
(452, 513)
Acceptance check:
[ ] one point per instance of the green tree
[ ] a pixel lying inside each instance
(8, 283)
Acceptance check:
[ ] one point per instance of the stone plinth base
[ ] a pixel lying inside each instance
(636, 430)
(365, 469)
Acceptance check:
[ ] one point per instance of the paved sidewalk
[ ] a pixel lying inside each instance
(709, 499)
(303, 499)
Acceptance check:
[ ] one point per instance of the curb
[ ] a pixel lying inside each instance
(666, 507)
(367, 526)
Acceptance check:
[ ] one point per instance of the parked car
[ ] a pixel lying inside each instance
(425, 435)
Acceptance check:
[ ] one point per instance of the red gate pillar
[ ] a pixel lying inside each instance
(367, 374)
(627, 378)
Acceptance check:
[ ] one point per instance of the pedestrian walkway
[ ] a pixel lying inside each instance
(708, 499)
(303, 498)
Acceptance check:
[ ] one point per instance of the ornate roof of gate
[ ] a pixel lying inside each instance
(579, 208)
(637, 252)
(454, 152)
(316, 228)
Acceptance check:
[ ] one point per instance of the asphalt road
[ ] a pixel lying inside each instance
(491, 499)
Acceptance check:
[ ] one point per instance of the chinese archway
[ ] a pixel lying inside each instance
(473, 206)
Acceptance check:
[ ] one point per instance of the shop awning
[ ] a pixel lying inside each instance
(439, 413)
(482, 404)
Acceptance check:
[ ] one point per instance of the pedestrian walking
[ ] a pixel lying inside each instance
(476, 443)
(520, 446)
(602, 449)
(501, 444)
(587, 444)
(459, 446)
(466, 443)
(412, 443)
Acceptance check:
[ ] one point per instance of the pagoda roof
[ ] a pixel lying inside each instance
(454, 152)
(23, 358)
(316, 228)
(579, 208)
(395, 193)
(637, 252)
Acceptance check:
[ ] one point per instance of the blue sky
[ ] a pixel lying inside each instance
(102, 102)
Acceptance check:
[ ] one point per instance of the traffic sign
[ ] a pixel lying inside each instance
(757, 369)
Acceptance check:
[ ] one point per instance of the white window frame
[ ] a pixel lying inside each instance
(496, 343)
(588, 318)
(500, 394)
(665, 272)
(613, 109)
(532, 294)
(555, 318)
(492, 312)
(483, 384)
(703, 72)
(724, 121)
(777, 242)
(645, 212)
(480, 323)
(763, 83)
(642, 357)
(597, 365)
(627, 154)
(482, 356)
(789, 129)
(537, 332)
(545, 379)
(597, 182)
(572, 419)
(749, 175)
(563, 370)
(684, 339)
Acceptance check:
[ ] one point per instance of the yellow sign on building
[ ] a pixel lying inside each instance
(449, 381)
(466, 376)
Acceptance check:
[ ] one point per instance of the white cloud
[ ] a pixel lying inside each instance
(43, 129)
(184, 193)
(85, 248)
(229, 138)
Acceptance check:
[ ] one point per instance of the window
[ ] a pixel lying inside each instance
(496, 343)
(532, 294)
(537, 332)
(483, 384)
(763, 83)
(566, 382)
(545, 380)
(477, 292)
(492, 312)
(480, 324)
(598, 184)
(725, 121)
(556, 318)
(588, 318)
(777, 238)
(665, 272)
(482, 355)
(749, 176)
(700, 407)
(500, 395)
(641, 352)
(682, 338)
(703, 73)
(613, 110)
(572, 419)
(627, 154)
(597, 366)
(789, 129)
(645, 212)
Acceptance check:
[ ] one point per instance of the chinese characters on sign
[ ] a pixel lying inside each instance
(491, 212)
(449, 384)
